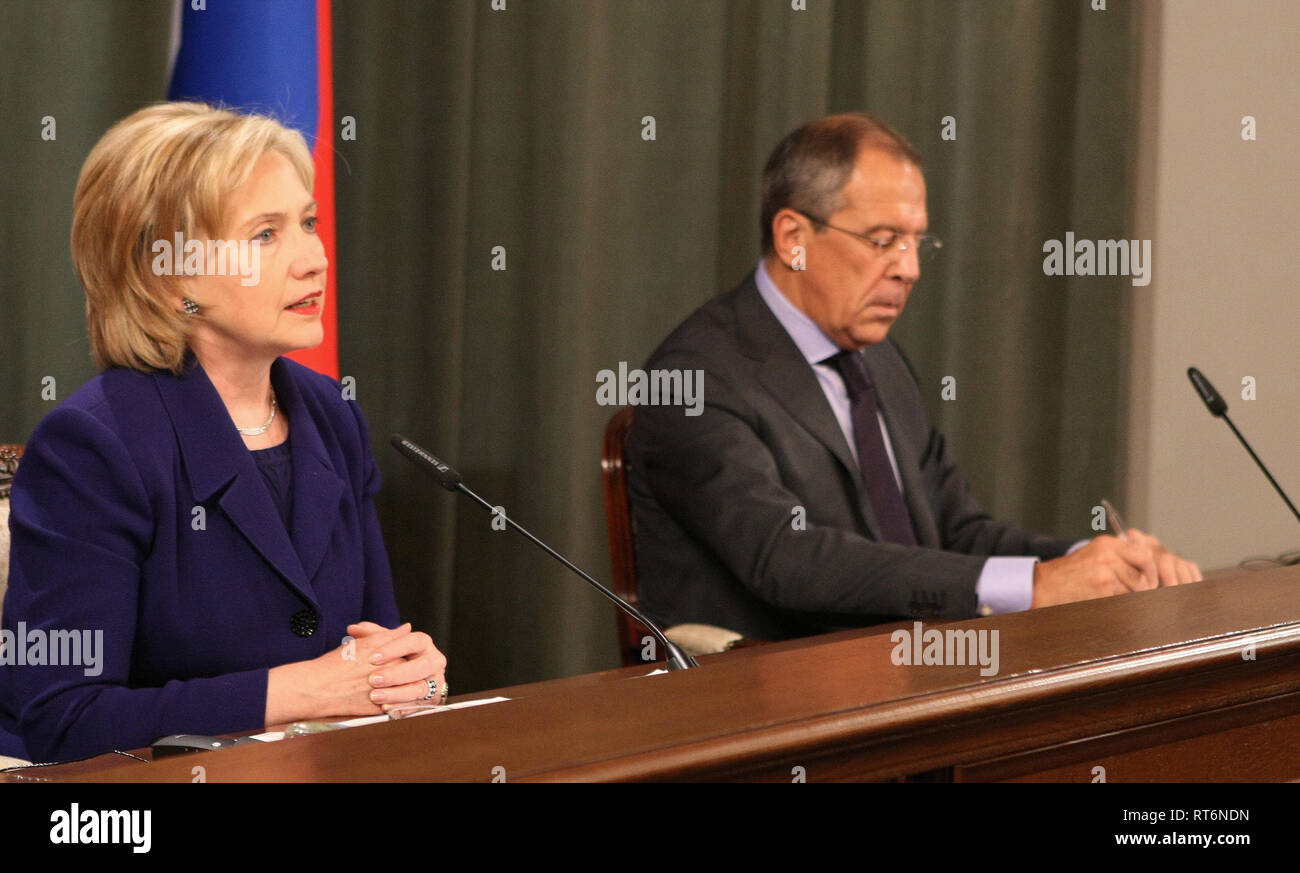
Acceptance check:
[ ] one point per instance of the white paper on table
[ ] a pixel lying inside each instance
(274, 736)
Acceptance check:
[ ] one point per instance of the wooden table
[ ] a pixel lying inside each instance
(1199, 682)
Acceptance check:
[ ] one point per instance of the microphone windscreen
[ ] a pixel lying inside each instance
(443, 473)
(1211, 398)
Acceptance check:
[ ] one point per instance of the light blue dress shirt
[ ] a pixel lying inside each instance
(1005, 584)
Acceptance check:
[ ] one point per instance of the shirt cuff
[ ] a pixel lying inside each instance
(1005, 585)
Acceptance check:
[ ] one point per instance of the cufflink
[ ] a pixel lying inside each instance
(985, 610)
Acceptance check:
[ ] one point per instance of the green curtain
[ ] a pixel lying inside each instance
(526, 129)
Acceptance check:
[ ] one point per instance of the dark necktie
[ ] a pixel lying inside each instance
(887, 501)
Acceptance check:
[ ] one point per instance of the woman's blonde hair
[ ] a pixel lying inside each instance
(165, 169)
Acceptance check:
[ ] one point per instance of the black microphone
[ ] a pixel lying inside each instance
(450, 479)
(1213, 401)
(1219, 409)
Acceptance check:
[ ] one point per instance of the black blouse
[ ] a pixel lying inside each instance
(276, 464)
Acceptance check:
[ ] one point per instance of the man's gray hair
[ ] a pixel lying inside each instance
(808, 169)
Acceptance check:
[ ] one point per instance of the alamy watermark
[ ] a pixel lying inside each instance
(952, 647)
(57, 647)
(1105, 257)
(132, 827)
(651, 388)
(214, 257)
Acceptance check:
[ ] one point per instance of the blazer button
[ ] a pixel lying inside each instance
(303, 623)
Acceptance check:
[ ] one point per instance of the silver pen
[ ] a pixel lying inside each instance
(1113, 521)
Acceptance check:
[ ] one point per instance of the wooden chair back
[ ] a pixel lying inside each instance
(622, 536)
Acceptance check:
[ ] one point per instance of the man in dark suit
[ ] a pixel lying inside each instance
(812, 493)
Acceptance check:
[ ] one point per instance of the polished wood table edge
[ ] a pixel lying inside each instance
(79, 769)
(923, 714)
(902, 734)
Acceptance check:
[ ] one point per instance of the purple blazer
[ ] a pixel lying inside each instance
(138, 511)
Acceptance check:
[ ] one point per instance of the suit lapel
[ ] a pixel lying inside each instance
(790, 379)
(216, 460)
(317, 488)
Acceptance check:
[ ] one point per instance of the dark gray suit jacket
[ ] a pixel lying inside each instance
(717, 497)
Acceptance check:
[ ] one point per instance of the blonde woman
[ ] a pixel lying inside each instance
(198, 519)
